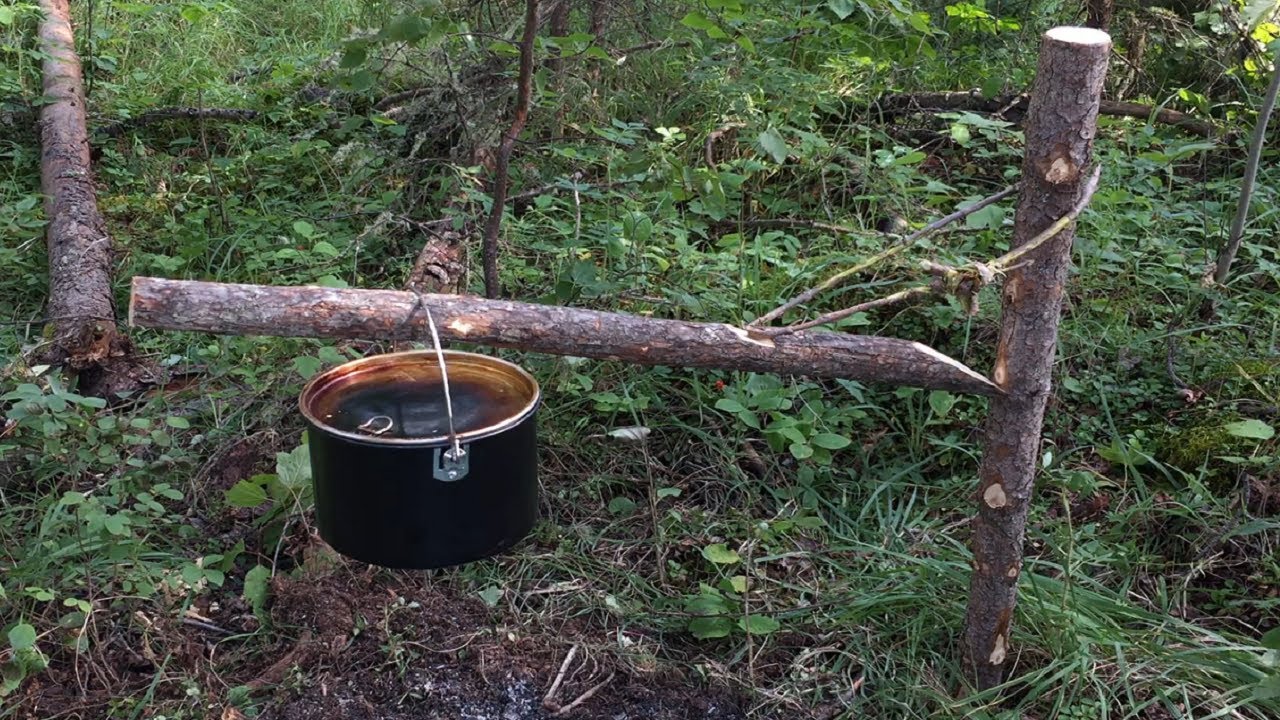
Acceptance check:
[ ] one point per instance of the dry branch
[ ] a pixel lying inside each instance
(524, 91)
(381, 314)
(152, 117)
(1015, 106)
(840, 277)
(1060, 126)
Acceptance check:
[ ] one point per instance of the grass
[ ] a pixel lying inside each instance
(1151, 575)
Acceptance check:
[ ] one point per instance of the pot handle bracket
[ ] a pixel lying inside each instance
(450, 464)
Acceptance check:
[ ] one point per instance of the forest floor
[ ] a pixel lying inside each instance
(774, 546)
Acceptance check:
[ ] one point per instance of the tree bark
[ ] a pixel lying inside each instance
(80, 310)
(1015, 107)
(390, 315)
(1099, 14)
(1060, 127)
(501, 181)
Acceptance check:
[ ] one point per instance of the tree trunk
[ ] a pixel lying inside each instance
(1099, 13)
(390, 315)
(1060, 127)
(558, 26)
(80, 310)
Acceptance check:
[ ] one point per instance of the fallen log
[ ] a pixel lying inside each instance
(81, 308)
(1014, 108)
(394, 315)
(116, 129)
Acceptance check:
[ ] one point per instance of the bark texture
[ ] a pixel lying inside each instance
(1015, 108)
(390, 315)
(1061, 124)
(80, 309)
(524, 90)
(1100, 13)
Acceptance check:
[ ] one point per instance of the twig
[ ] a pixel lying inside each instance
(974, 276)
(402, 96)
(840, 277)
(501, 181)
(548, 700)
(583, 697)
(206, 626)
(708, 147)
(151, 117)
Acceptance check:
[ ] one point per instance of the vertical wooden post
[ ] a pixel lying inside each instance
(1060, 126)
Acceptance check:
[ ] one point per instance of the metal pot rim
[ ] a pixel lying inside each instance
(318, 384)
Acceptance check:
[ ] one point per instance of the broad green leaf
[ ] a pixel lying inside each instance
(801, 451)
(622, 505)
(255, 588)
(180, 423)
(354, 55)
(294, 467)
(842, 8)
(941, 402)
(22, 636)
(1252, 429)
(246, 493)
(720, 554)
(304, 228)
(6, 16)
(772, 143)
(698, 21)
(831, 441)
(193, 13)
(707, 628)
(758, 624)
(1268, 689)
(667, 492)
(738, 583)
(729, 405)
(491, 595)
(116, 524)
(706, 605)
(1271, 640)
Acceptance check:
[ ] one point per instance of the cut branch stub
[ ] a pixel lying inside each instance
(1060, 127)
(389, 315)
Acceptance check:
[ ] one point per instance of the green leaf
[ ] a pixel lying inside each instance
(1271, 640)
(729, 405)
(245, 494)
(720, 554)
(801, 451)
(842, 8)
(772, 143)
(738, 583)
(758, 624)
(304, 228)
(831, 441)
(745, 43)
(193, 13)
(707, 628)
(491, 595)
(116, 524)
(941, 402)
(667, 492)
(1252, 429)
(1268, 689)
(706, 605)
(22, 636)
(255, 588)
(354, 55)
(698, 21)
(6, 16)
(294, 468)
(180, 423)
(622, 505)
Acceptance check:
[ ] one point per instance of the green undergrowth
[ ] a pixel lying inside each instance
(803, 541)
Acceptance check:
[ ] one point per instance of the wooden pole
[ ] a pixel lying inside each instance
(1060, 127)
(394, 315)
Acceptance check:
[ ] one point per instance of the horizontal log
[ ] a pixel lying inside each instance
(1014, 107)
(390, 315)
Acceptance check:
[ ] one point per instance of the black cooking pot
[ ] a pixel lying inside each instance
(396, 486)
